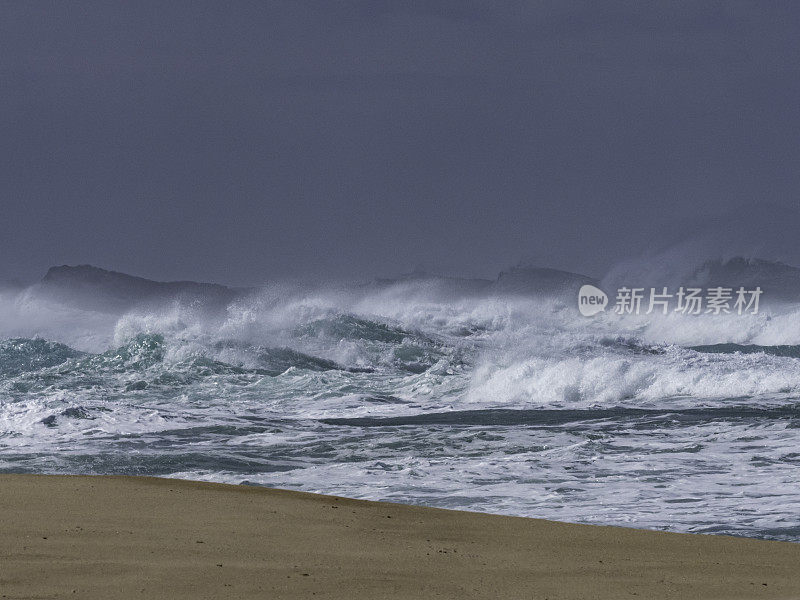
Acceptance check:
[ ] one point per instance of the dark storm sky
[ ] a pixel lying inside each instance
(242, 141)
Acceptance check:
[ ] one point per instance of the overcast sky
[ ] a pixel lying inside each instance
(239, 142)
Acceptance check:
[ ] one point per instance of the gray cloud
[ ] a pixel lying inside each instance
(255, 140)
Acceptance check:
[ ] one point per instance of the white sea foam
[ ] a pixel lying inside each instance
(256, 391)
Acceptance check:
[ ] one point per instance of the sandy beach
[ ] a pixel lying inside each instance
(127, 537)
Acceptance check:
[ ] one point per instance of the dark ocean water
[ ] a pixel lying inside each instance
(418, 391)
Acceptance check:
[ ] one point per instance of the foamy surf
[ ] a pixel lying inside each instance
(484, 395)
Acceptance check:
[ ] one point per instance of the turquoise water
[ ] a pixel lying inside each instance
(503, 404)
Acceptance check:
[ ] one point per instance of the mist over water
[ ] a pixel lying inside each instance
(283, 145)
(489, 395)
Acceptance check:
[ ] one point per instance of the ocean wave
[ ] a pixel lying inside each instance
(459, 393)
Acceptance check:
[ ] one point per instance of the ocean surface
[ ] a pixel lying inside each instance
(464, 394)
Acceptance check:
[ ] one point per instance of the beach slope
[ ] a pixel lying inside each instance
(128, 537)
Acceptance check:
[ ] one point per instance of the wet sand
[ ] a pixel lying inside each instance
(128, 537)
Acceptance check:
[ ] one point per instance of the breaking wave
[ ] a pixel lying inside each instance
(487, 395)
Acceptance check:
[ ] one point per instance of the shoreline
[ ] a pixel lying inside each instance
(141, 537)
